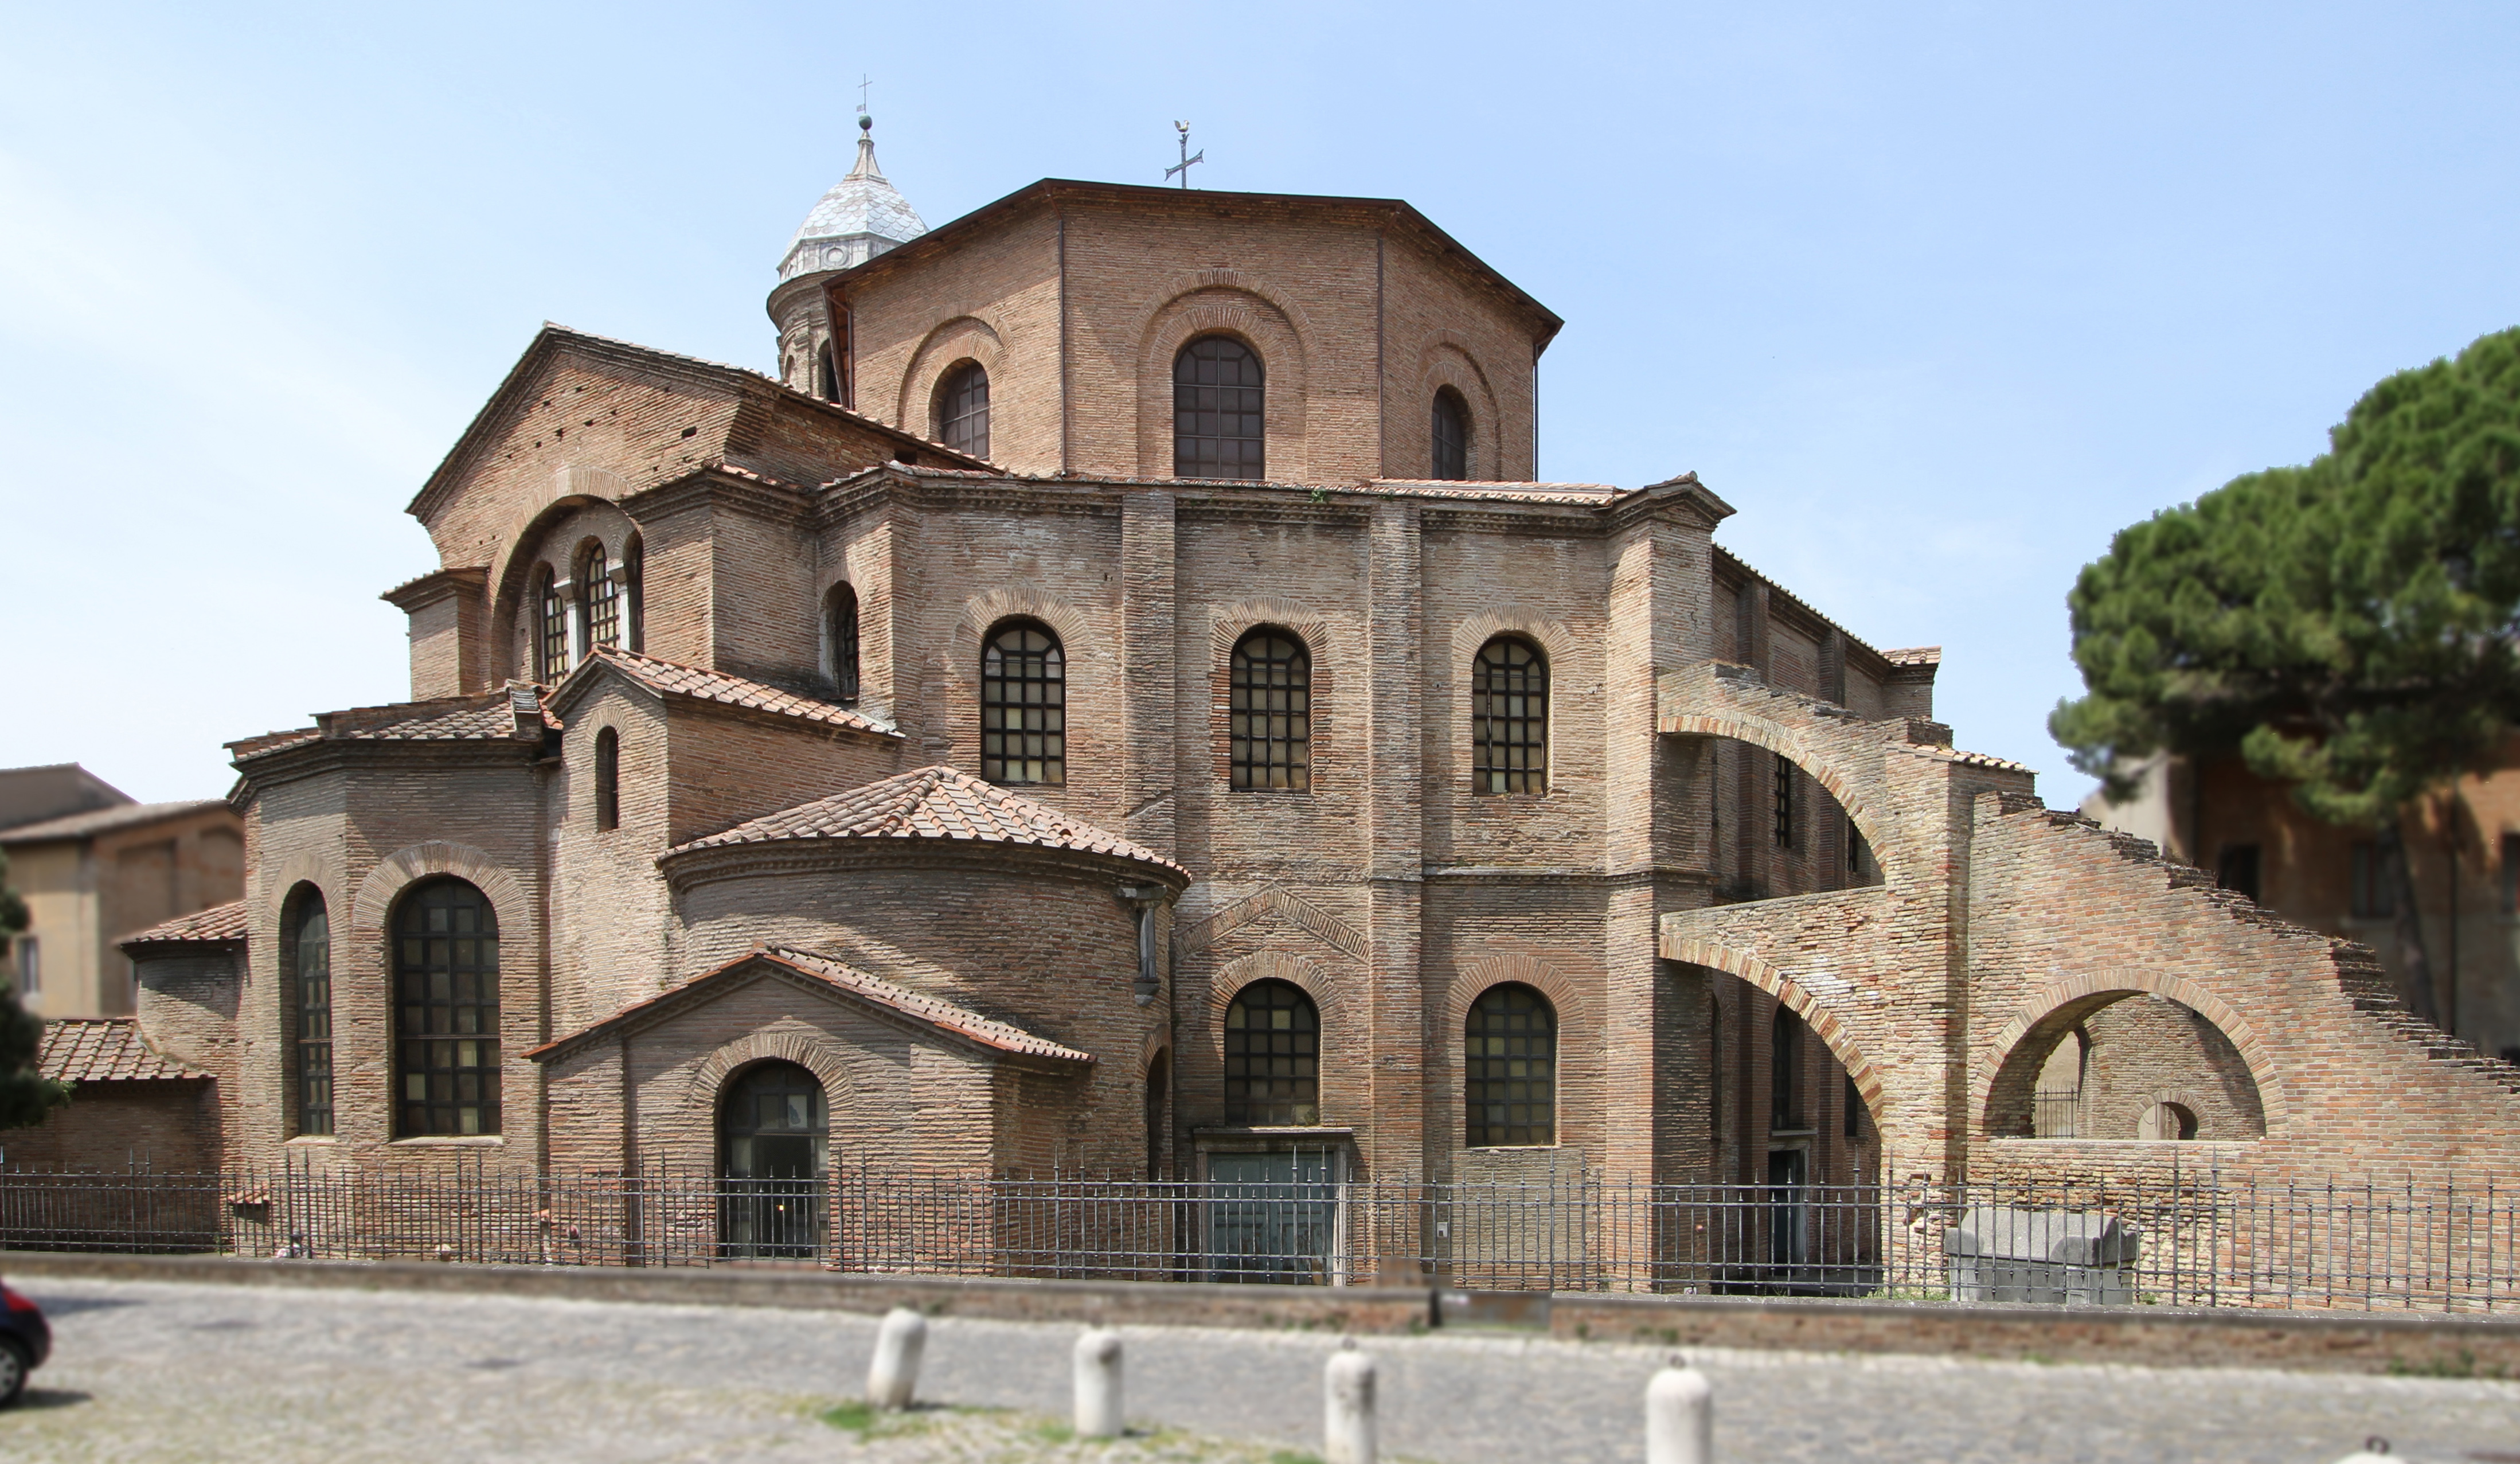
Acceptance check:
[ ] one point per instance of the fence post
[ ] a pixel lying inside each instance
(1347, 1412)
(893, 1378)
(1679, 1418)
(1098, 1385)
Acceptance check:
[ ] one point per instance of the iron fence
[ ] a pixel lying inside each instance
(2188, 1242)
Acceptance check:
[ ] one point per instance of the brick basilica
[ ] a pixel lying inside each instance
(1118, 701)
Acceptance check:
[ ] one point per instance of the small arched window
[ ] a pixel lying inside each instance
(607, 780)
(446, 1012)
(551, 629)
(1510, 1068)
(1272, 1056)
(634, 595)
(1023, 706)
(827, 374)
(840, 642)
(1452, 435)
(1510, 717)
(1785, 1070)
(962, 410)
(1270, 712)
(1218, 417)
(599, 599)
(310, 974)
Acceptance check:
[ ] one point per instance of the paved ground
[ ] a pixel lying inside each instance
(149, 1371)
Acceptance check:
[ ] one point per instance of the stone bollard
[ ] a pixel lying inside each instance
(1347, 1412)
(1679, 1418)
(893, 1380)
(1098, 1385)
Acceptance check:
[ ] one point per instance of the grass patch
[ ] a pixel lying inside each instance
(2461, 1366)
(1291, 1456)
(866, 1421)
(1054, 1431)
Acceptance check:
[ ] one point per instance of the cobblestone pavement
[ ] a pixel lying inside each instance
(148, 1371)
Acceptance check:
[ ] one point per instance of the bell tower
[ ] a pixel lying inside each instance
(861, 216)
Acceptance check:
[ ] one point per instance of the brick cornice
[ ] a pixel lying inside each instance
(416, 595)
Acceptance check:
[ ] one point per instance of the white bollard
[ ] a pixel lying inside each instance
(1347, 1411)
(1098, 1385)
(893, 1378)
(1679, 1418)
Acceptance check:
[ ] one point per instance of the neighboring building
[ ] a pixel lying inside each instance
(1119, 704)
(94, 866)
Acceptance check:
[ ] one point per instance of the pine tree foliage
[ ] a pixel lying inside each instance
(25, 1094)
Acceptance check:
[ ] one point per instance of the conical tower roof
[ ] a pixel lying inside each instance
(861, 217)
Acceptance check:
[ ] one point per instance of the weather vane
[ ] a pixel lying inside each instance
(1187, 158)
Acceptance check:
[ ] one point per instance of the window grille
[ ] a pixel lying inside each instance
(551, 647)
(1270, 712)
(1510, 1067)
(840, 640)
(1510, 717)
(962, 410)
(1023, 706)
(1786, 1072)
(1452, 434)
(599, 599)
(607, 780)
(311, 956)
(1218, 394)
(446, 1012)
(1784, 801)
(634, 595)
(1272, 1056)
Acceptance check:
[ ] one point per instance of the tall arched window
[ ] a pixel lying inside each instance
(446, 1011)
(962, 410)
(1785, 1070)
(1510, 1068)
(599, 599)
(1270, 712)
(1510, 717)
(310, 978)
(840, 642)
(1272, 1056)
(1023, 706)
(551, 629)
(1217, 410)
(1452, 435)
(773, 1132)
(634, 595)
(607, 780)
(827, 374)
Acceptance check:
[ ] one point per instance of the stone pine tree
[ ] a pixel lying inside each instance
(2346, 627)
(25, 1094)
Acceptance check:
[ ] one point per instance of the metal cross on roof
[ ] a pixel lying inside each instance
(1183, 168)
(863, 82)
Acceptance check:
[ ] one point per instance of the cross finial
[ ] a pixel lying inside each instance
(1187, 157)
(864, 83)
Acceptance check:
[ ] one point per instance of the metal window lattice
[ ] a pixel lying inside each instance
(314, 978)
(1452, 435)
(1512, 1069)
(1784, 801)
(1218, 416)
(550, 650)
(1270, 712)
(962, 410)
(446, 1012)
(599, 599)
(1272, 1056)
(1023, 707)
(1510, 717)
(840, 631)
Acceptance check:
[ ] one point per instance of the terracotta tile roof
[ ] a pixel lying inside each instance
(104, 820)
(102, 1049)
(673, 679)
(218, 924)
(933, 803)
(934, 1011)
(482, 717)
(1915, 655)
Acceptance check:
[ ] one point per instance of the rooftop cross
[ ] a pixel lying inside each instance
(863, 82)
(1183, 168)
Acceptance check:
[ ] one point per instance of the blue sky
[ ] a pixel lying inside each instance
(1937, 296)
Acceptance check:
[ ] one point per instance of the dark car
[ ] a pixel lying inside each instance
(25, 1341)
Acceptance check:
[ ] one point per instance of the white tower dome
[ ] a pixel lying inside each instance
(861, 217)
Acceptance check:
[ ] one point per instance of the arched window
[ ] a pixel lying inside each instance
(310, 978)
(772, 1136)
(551, 629)
(1510, 717)
(1272, 1056)
(446, 1012)
(634, 595)
(599, 599)
(1510, 1068)
(840, 642)
(827, 374)
(1785, 1070)
(1452, 436)
(607, 780)
(962, 410)
(1023, 706)
(1270, 713)
(1217, 416)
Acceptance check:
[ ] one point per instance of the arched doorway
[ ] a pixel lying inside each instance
(773, 1134)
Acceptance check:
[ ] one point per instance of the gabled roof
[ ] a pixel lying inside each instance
(841, 982)
(513, 712)
(673, 679)
(102, 1049)
(219, 924)
(933, 803)
(104, 820)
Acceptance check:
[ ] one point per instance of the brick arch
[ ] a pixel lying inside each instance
(574, 490)
(1228, 302)
(812, 1051)
(965, 338)
(1834, 1030)
(1230, 978)
(399, 871)
(1824, 767)
(1479, 978)
(1445, 359)
(2007, 1060)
